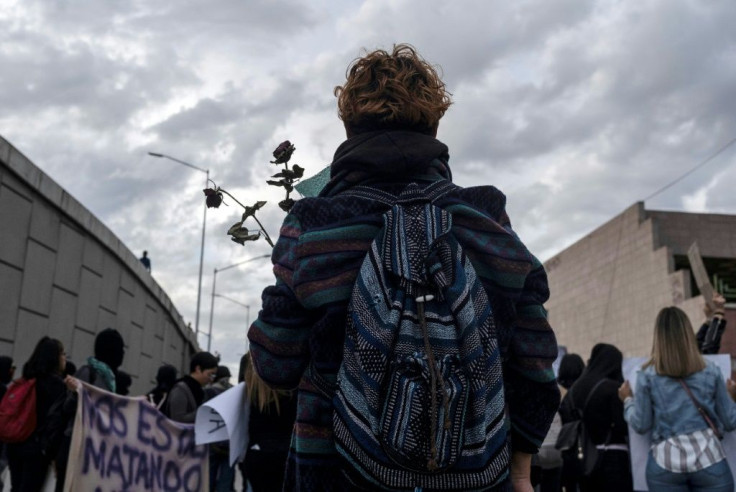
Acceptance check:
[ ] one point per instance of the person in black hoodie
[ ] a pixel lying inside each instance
(603, 417)
(165, 380)
(571, 368)
(29, 460)
(101, 371)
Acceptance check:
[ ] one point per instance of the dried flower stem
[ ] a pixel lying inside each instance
(263, 230)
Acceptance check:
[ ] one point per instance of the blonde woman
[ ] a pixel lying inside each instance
(272, 415)
(684, 401)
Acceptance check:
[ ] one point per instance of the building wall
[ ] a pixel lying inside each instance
(64, 274)
(610, 285)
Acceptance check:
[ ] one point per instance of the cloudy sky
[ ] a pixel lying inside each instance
(576, 109)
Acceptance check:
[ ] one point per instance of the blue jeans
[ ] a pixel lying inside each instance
(715, 478)
(222, 475)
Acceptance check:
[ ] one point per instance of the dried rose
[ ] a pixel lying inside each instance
(286, 204)
(213, 198)
(283, 152)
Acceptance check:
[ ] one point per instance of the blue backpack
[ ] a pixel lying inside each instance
(419, 401)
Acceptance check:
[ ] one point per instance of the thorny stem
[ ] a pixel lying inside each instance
(265, 234)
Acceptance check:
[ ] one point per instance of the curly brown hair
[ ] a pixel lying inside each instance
(397, 90)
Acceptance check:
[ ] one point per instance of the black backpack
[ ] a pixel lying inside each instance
(574, 438)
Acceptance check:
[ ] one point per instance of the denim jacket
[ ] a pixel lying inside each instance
(662, 404)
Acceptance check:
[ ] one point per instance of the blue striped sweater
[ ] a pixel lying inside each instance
(322, 243)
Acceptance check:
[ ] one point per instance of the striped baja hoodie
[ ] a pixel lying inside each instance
(322, 243)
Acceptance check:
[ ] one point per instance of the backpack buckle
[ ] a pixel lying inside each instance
(425, 298)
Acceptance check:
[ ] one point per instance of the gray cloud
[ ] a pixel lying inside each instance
(574, 109)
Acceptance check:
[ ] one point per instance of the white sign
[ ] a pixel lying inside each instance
(225, 418)
(122, 443)
(639, 444)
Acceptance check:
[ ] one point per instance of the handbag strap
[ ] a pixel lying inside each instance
(701, 410)
(585, 406)
(587, 399)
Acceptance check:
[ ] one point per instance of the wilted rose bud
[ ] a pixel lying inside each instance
(283, 152)
(286, 204)
(213, 198)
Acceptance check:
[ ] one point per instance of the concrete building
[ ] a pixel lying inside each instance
(66, 275)
(610, 285)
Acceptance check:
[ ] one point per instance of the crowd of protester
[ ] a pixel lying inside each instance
(273, 412)
(680, 398)
(674, 389)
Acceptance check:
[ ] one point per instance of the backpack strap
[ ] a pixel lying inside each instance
(587, 399)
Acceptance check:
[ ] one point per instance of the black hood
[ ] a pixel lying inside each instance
(386, 156)
(605, 363)
(166, 377)
(110, 348)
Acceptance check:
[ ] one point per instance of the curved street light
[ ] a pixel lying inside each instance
(214, 283)
(204, 223)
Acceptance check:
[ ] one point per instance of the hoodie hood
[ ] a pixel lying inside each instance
(605, 363)
(386, 156)
(110, 348)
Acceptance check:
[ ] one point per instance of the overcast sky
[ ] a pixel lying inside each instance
(576, 109)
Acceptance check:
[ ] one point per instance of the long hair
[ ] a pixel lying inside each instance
(259, 393)
(45, 359)
(674, 349)
(392, 91)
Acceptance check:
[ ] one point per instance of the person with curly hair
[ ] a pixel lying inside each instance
(391, 104)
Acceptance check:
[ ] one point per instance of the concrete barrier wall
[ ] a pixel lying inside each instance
(64, 274)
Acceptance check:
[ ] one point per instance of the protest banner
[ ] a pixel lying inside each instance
(639, 444)
(122, 444)
(700, 274)
(225, 418)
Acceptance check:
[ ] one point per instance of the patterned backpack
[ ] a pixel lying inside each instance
(419, 401)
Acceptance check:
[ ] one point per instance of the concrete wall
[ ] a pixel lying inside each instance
(610, 285)
(66, 275)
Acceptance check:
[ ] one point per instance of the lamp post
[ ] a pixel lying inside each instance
(204, 223)
(214, 283)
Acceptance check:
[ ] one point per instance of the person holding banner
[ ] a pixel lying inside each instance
(29, 460)
(710, 333)
(684, 401)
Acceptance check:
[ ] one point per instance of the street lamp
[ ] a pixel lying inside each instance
(204, 223)
(247, 318)
(214, 282)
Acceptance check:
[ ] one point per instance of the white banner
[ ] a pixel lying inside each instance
(122, 443)
(639, 444)
(225, 418)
